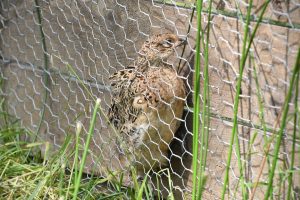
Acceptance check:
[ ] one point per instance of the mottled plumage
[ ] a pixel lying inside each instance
(147, 104)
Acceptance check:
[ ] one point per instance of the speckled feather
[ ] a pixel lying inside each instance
(148, 101)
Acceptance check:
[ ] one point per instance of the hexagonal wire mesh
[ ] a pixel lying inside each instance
(97, 38)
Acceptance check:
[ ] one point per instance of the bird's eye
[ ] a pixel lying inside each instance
(167, 43)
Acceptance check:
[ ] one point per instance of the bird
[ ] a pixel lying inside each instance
(148, 99)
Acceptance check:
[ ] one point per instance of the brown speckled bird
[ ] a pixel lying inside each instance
(148, 101)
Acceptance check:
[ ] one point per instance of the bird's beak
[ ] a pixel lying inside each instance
(181, 41)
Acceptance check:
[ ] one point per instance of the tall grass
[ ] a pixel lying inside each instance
(198, 171)
(196, 111)
(262, 120)
(245, 51)
(283, 125)
(86, 147)
(32, 177)
(205, 112)
(291, 173)
(46, 77)
(198, 174)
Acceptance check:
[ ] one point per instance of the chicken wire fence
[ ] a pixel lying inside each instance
(57, 55)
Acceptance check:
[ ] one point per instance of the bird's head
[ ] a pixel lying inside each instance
(161, 46)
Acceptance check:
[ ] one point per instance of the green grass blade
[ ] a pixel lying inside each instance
(196, 101)
(142, 188)
(78, 131)
(46, 76)
(205, 116)
(86, 148)
(290, 178)
(282, 126)
(236, 102)
(61, 179)
(38, 188)
(245, 52)
(263, 124)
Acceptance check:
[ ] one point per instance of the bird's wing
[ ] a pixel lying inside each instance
(158, 87)
(157, 101)
(121, 80)
(120, 83)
